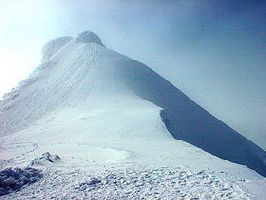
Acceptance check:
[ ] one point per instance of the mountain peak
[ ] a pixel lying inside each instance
(89, 37)
(101, 90)
(51, 47)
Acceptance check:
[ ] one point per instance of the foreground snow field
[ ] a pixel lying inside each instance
(130, 183)
(173, 168)
(112, 136)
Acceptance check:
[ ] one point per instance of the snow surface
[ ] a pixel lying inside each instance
(83, 104)
(89, 37)
(132, 183)
(53, 46)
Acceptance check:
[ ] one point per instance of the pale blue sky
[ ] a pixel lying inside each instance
(213, 50)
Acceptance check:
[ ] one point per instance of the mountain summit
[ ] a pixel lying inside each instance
(88, 102)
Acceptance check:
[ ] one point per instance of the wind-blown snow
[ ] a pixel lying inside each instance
(53, 46)
(98, 109)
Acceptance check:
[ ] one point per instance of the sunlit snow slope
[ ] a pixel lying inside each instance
(87, 102)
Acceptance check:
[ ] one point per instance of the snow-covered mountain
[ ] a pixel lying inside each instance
(95, 107)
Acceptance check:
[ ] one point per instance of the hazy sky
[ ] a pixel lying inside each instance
(215, 51)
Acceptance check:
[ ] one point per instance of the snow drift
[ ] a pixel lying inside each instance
(80, 78)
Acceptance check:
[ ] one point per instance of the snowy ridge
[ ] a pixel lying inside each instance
(97, 109)
(187, 121)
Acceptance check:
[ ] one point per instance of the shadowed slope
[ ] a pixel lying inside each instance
(189, 122)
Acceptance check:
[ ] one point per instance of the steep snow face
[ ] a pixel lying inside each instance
(76, 76)
(90, 103)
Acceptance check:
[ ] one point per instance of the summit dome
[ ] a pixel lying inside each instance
(89, 37)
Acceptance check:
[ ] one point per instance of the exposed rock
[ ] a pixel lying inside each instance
(45, 158)
(13, 179)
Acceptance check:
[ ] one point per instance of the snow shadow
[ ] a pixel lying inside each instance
(189, 122)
